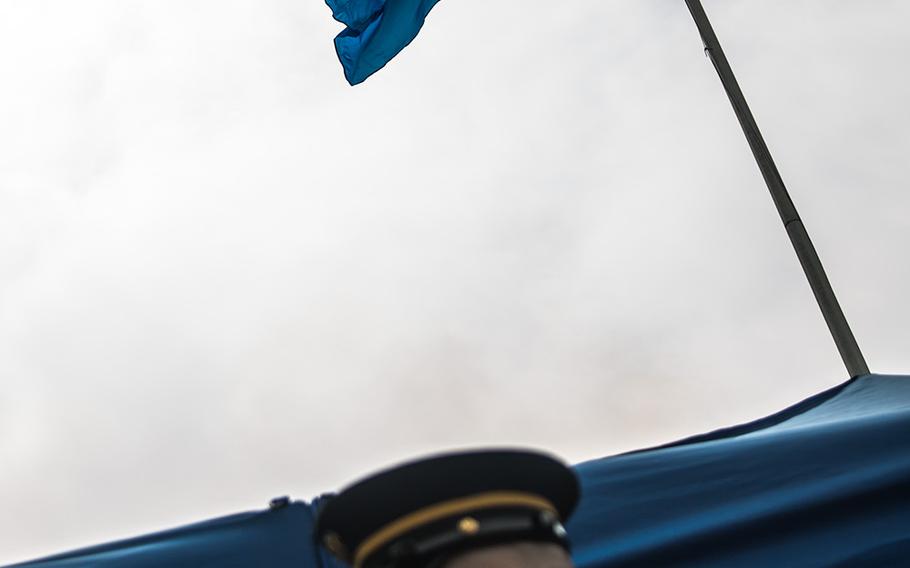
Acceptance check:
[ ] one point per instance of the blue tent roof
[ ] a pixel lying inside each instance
(823, 483)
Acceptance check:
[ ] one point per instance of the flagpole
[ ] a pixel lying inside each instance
(808, 258)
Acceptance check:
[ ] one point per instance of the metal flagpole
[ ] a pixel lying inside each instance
(808, 258)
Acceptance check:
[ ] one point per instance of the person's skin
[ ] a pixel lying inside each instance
(516, 555)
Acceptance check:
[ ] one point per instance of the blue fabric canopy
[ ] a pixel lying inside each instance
(825, 483)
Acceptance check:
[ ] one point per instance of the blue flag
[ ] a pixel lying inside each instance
(376, 31)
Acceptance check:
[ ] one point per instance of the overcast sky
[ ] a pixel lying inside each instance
(226, 275)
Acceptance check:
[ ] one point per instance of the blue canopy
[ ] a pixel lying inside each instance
(823, 483)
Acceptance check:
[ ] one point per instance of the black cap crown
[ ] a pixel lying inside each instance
(414, 513)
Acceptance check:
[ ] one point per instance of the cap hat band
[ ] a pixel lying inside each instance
(440, 511)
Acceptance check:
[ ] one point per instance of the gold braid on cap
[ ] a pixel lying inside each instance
(439, 511)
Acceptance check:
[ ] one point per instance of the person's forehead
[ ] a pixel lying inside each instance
(516, 555)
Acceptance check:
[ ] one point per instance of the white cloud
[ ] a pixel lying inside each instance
(225, 275)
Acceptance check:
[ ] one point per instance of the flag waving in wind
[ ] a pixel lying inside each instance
(376, 31)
